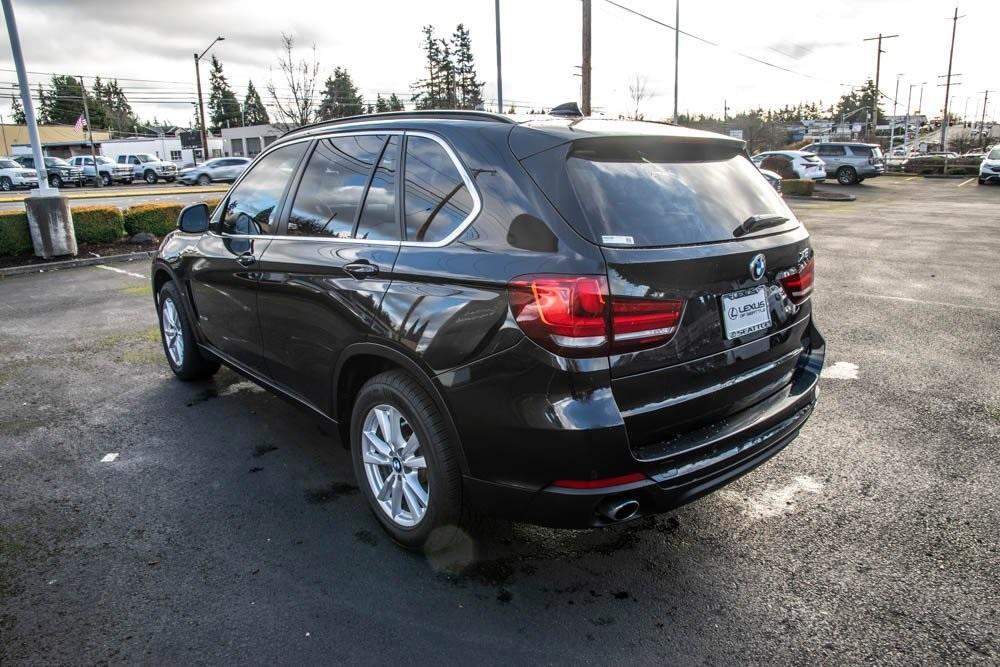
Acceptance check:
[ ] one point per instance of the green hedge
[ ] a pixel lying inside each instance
(158, 219)
(98, 224)
(15, 238)
(934, 164)
(798, 187)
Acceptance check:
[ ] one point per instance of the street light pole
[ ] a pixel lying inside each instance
(677, 52)
(201, 104)
(29, 109)
(499, 68)
(585, 69)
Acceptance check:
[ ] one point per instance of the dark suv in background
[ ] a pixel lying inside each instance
(850, 163)
(573, 322)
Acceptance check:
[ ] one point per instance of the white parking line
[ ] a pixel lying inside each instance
(966, 182)
(127, 273)
(109, 458)
(842, 370)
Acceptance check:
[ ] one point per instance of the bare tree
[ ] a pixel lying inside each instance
(298, 106)
(638, 93)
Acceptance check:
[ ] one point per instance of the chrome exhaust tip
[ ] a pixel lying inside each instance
(619, 509)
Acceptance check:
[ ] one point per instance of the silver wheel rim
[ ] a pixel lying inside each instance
(395, 466)
(173, 333)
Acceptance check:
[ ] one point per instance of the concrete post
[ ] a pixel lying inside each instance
(51, 224)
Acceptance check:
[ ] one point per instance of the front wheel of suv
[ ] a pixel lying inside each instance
(406, 462)
(183, 355)
(847, 176)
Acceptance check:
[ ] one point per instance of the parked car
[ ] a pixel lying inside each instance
(59, 171)
(773, 179)
(989, 170)
(803, 165)
(850, 162)
(216, 169)
(110, 171)
(568, 321)
(13, 175)
(148, 167)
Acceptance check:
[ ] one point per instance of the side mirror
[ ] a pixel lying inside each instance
(193, 219)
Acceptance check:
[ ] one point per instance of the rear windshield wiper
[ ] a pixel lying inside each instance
(760, 221)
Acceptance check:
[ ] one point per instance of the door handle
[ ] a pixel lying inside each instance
(359, 270)
(246, 259)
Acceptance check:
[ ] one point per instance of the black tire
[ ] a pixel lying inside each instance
(128, 181)
(445, 517)
(55, 181)
(193, 364)
(169, 179)
(150, 176)
(106, 180)
(847, 176)
(204, 179)
(6, 184)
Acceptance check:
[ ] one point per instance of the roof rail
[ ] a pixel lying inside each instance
(449, 114)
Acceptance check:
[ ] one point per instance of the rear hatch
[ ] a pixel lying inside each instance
(687, 221)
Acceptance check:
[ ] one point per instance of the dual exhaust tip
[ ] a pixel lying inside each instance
(618, 509)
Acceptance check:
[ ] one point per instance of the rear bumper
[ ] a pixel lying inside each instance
(687, 468)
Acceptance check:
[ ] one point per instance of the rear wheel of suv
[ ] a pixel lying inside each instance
(149, 176)
(847, 176)
(204, 179)
(406, 462)
(185, 359)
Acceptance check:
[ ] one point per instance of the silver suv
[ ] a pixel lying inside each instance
(849, 162)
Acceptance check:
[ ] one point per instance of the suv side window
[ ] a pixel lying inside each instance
(829, 149)
(329, 193)
(378, 220)
(436, 199)
(862, 151)
(252, 205)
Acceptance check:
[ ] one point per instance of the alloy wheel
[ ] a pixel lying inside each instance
(395, 466)
(173, 332)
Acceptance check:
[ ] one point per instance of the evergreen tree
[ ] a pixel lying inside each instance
(17, 111)
(96, 105)
(120, 116)
(394, 103)
(254, 111)
(223, 107)
(381, 106)
(429, 93)
(62, 104)
(469, 90)
(858, 99)
(340, 97)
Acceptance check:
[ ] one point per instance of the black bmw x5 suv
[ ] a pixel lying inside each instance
(572, 322)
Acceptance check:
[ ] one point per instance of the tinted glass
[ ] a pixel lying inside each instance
(56, 162)
(9, 164)
(994, 154)
(862, 151)
(662, 203)
(104, 160)
(330, 191)
(831, 150)
(252, 205)
(378, 218)
(436, 198)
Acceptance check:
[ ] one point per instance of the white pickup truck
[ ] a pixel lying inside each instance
(148, 167)
(110, 171)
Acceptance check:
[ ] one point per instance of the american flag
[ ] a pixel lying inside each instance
(81, 123)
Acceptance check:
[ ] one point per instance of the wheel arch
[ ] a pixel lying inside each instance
(362, 361)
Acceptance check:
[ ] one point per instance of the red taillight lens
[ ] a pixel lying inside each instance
(573, 315)
(642, 322)
(565, 314)
(798, 284)
(605, 483)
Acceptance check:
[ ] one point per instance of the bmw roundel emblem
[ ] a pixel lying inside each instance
(758, 265)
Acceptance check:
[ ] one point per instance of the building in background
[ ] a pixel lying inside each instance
(248, 141)
(164, 147)
(57, 140)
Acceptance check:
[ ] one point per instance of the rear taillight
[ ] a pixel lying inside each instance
(798, 283)
(573, 316)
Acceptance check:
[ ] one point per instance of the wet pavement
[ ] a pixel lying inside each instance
(228, 528)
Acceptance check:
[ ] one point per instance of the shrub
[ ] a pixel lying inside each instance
(158, 219)
(98, 224)
(798, 187)
(934, 164)
(212, 203)
(15, 238)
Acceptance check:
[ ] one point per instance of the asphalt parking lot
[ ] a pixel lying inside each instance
(147, 520)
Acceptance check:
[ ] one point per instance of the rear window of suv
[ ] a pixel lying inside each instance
(648, 193)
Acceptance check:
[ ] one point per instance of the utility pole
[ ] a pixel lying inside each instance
(878, 70)
(201, 104)
(499, 69)
(585, 69)
(725, 109)
(982, 127)
(892, 122)
(947, 89)
(677, 51)
(90, 131)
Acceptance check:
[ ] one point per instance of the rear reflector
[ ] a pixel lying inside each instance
(605, 483)
(573, 316)
(798, 283)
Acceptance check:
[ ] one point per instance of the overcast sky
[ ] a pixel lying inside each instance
(379, 43)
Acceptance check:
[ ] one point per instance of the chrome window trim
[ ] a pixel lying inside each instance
(477, 205)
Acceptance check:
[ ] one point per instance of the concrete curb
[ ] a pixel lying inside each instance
(74, 263)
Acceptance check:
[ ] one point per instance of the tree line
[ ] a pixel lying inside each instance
(62, 104)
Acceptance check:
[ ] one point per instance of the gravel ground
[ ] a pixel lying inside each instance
(229, 529)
